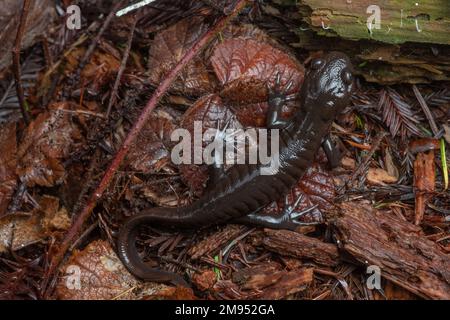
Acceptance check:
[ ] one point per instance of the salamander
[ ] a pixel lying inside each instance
(242, 191)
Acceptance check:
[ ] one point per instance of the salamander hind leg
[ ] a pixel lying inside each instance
(289, 219)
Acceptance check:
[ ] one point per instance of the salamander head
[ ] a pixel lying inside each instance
(328, 85)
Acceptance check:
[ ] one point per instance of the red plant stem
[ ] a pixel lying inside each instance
(109, 174)
(16, 59)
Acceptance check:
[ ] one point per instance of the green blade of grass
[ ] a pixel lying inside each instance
(444, 164)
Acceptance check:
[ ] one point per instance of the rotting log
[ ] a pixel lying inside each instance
(399, 248)
(395, 53)
(401, 21)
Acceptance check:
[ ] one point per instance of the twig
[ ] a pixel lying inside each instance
(123, 65)
(93, 45)
(376, 143)
(16, 60)
(109, 174)
(426, 110)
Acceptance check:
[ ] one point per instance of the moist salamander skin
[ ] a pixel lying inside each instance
(243, 189)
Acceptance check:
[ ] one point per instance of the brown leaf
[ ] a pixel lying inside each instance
(47, 141)
(96, 273)
(18, 232)
(380, 176)
(8, 163)
(39, 17)
(246, 68)
(212, 113)
(150, 152)
(101, 69)
(315, 188)
(167, 50)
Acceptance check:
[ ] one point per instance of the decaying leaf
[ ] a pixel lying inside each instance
(210, 113)
(40, 15)
(150, 152)
(101, 69)
(96, 273)
(315, 190)
(20, 231)
(246, 68)
(167, 50)
(8, 162)
(47, 141)
(380, 176)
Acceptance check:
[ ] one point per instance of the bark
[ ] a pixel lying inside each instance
(399, 248)
(297, 245)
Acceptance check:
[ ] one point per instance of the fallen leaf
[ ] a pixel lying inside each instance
(100, 70)
(211, 113)
(96, 273)
(8, 162)
(246, 68)
(380, 176)
(170, 46)
(150, 152)
(40, 17)
(19, 231)
(47, 141)
(316, 188)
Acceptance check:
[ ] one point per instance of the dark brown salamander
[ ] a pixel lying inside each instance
(243, 190)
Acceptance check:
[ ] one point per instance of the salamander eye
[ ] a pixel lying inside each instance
(347, 76)
(317, 63)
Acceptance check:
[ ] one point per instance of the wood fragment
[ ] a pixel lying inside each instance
(216, 241)
(290, 283)
(424, 182)
(399, 248)
(297, 245)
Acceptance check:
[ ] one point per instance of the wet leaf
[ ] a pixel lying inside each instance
(315, 189)
(96, 273)
(246, 68)
(211, 113)
(380, 176)
(47, 141)
(100, 71)
(8, 162)
(150, 152)
(20, 231)
(39, 17)
(167, 50)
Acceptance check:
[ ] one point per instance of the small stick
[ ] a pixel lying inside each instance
(93, 45)
(16, 60)
(364, 164)
(135, 130)
(426, 110)
(123, 65)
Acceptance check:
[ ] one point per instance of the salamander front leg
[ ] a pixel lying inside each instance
(277, 99)
(332, 152)
(288, 220)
